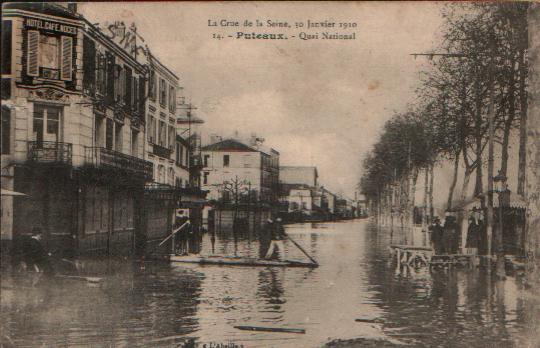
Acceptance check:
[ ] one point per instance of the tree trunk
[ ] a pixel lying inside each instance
(478, 187)
(466, 180)
(430, 196)
(522, 166)
(509, 121)
(454, 182)
(425, 198)
(413, 195)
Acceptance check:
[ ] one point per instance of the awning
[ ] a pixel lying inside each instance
(11, 193)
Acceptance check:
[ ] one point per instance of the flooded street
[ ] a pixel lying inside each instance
(164, 305)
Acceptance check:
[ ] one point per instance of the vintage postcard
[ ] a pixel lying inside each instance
(270, 174)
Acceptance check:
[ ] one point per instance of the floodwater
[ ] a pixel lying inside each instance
(163, 306)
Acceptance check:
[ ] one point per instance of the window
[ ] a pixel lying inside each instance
(101, 74)
(181, 156)
(205, 178)
(109, 139)
(162, 92)
(6, 130)
(162, 136)
(172, 137)
(89, 65)
(6, 47)
(172, 99)
(170, 179)
(118, 137)
(46, 124)
(161, 174)
(49, 56)
(134, 143)
(151, 129)
(152, 85)
(226, 160)
(134, 94)
(128, 96)
(119, 83)
(206, 158)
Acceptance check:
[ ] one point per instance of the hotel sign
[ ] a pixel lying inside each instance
(52, 26)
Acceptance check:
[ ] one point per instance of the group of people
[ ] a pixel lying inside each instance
(445, 238)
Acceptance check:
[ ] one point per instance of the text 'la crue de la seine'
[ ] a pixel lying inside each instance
(282, 30)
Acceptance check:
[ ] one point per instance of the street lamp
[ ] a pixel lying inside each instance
(501, 189)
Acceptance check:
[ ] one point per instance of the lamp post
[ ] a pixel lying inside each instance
(501, 189)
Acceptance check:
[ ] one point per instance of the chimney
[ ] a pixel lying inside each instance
(72, 7)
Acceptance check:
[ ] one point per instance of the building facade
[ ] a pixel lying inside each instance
(299, 175)
(73, 142)
(254, 169)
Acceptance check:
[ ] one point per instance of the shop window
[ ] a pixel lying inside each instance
(226, 160)
(6, 130)
(46, 123)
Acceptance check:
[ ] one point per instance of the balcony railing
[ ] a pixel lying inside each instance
(161, 151)
(49, 152)
(100, 157)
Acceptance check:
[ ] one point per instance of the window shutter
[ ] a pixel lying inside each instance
(141, 94)
(89, 64)
(33, 53)
(67, 58)
(127, 99)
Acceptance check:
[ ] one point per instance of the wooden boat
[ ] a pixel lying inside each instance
(239, 261)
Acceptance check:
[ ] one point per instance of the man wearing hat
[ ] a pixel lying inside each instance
(277, 234)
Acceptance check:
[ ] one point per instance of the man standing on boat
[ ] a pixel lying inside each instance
(277, 234)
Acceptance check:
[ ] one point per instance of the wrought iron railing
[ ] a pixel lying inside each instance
(49, 152)
(104, 158)
(161, 151)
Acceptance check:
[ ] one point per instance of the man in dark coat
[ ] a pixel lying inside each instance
(437, 236)
(450, 235)
(35, 254)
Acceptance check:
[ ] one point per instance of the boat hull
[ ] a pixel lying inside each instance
(239, 261)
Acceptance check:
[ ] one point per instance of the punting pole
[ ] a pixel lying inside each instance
(302, 250)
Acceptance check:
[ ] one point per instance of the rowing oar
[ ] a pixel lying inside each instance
(301, 249)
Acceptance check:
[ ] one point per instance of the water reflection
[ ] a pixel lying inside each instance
(164, 305)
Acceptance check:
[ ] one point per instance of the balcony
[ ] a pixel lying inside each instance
(100, 157)
(161, 151)
(49, 152)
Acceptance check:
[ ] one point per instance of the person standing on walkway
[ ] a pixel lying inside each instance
(450, 234)
(437, 236)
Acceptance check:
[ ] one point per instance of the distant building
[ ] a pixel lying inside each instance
(298, 198)
(299, 175)
(255, 167)
(328, 200)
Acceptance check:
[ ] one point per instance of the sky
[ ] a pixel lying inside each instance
(317, 102)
